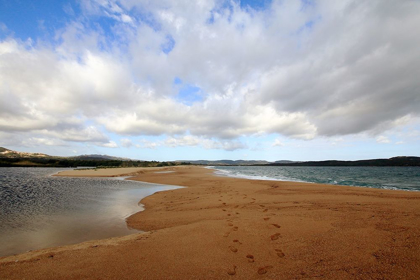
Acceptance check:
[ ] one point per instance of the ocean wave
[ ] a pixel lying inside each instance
(380, 178)
(228, 173)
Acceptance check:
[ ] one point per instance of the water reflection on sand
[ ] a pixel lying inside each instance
(79, 209)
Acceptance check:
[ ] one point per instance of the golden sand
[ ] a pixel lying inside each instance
(229, 228)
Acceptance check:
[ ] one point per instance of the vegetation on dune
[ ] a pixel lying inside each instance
(64, 162)
(10, 158)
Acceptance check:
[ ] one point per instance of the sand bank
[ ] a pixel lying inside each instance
(106, 172)
(229, 228)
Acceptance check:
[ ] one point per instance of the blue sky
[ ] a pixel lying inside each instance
(170, 80)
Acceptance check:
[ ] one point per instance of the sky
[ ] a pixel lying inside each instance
(211, 79)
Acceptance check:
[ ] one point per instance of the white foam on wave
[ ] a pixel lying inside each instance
(332, 181)
(230, 173)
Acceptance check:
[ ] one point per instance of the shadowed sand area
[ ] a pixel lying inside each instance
(229, 228)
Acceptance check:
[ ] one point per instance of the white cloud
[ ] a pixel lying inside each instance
(298, 73)
(78, 134)
(189, 140)
(36, 141)
(193, 141)
(9, 139)
(126, 143)
(383, 139)
(277, 143)
(145, 144)
(110, 144)
(225, 145)
(336, 141)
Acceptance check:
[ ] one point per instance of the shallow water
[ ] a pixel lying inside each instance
(396, 178)
(39, 211)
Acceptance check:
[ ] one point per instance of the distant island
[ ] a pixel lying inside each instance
(10, 158)
(394, 161)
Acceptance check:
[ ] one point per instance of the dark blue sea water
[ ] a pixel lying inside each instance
(394, 178)
(39, 211)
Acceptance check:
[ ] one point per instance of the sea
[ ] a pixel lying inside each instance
(390, 178)
(38, 210)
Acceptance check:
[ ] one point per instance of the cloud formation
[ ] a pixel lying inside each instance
(298, 69)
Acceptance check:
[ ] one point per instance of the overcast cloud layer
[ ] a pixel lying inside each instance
(296, 69)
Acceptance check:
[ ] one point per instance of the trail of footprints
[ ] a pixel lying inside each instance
(261, 270)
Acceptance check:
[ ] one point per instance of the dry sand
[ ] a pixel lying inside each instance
(228, 228)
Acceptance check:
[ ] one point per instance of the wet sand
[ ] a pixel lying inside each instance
(229, 228)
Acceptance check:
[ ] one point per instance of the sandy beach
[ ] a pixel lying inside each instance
(229, 228)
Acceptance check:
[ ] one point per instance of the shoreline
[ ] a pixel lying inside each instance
(224, 227)
(242, 175)
(84, 209)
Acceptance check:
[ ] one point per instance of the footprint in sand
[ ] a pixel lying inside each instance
(235, 228)
(250, 258)
(265, 210)
(230, 224)
(142, 238)
(237, 241)
(280, 253)
(226, 234)
(266, 219)
(233, 249)
(275, 236)
(264, 270)
(276, 225)
(232, 271)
